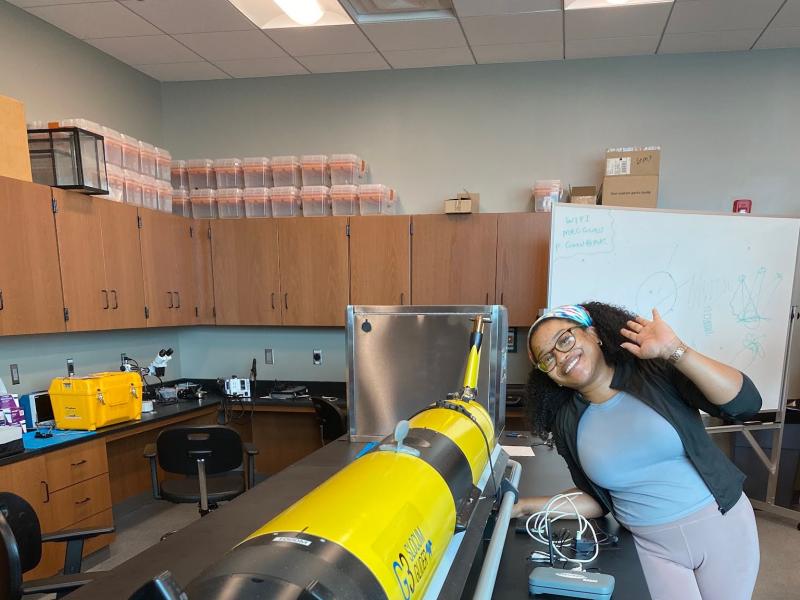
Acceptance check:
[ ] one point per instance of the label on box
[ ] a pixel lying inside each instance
(618, 166)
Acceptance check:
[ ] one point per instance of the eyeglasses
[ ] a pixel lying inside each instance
(564, 343)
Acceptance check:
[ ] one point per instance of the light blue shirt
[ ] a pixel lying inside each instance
(630, 450)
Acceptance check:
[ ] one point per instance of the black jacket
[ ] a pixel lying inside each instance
(672, 395)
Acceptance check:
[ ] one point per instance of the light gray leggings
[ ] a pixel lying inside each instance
(704, 556)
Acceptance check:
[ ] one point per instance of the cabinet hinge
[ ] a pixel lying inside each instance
(54, 205)
(197, 312)
(66, 314)
(411, 228)
(191, 231)
(209, 232)
(347, 230)
(146, 313)
(139, 223)
(214, 311)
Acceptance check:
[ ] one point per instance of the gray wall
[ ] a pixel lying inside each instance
(727, 123)
(58, 76)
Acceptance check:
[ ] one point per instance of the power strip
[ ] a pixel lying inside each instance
(576, 584)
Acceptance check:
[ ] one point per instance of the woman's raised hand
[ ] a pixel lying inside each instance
(650, 339)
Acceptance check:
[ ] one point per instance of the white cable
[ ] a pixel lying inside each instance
(551, 514)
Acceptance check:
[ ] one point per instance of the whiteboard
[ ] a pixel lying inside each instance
(722, 281)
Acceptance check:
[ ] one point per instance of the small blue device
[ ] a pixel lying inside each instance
(575, 584)
(37, 408)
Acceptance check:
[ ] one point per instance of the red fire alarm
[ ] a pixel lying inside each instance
(742, 205)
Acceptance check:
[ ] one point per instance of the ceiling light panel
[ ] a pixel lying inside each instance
(267, 14)
(579, 4)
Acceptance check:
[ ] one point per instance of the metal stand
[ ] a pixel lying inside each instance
(770, 462)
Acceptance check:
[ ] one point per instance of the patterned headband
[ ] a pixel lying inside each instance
(570, 312)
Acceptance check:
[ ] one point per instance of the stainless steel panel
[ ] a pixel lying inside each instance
(402, 358)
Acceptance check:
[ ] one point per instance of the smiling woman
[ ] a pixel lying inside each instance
(619, 396)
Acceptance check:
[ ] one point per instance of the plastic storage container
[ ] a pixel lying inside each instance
(149, 192)
(181, 205)
(130, 153)
(376, 199)
(344, 200)
(257, 202)
(179, 175)
(133, 187)
(347, 169)
(545, 193)
(113, 145)
(230, 203)
(257, 172)
(164, 196)
(163, 164)
(286, 171)
(204, 203)
(147, 159)
(316, 200)
(315, 170)
(229, 173)
(201, 174)
(116, 183)
(96, 401)
(285, 201)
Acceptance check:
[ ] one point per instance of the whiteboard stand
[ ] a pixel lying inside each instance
(770, 462)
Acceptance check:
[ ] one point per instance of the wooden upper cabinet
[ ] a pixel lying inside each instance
(247, 287)
(380, 260)
(160, 264)
(203, 273)
(87, 299)
(523, 247)
(453, 259)
(30, 280)
(315, 270)
(123, 264)
(184, 286)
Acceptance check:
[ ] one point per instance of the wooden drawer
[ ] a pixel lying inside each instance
(78, 463)
(78, 502)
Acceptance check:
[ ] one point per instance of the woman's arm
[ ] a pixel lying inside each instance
(718, 382)
(586, 505)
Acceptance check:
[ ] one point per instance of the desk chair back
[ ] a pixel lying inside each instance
(20, 543)
(331, 419)
(180, 448)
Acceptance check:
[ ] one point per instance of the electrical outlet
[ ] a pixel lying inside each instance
(70, 367)
(14, 375)
(269, 358)
(316, 355)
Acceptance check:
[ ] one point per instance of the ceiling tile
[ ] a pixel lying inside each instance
(780, 37)
(501, 53)
(309, 41)
(441, 57)
(337, 63)
(413, 35)
(481, 8)
(231, 45)
(789, 16)
(32, 3)
(622, 46)
(616, 22)
(695, 16)
(191, 16)
(196, 71)
(713, 41)
(96, 19)
(145, 50)
(516, 29)
(262, 67)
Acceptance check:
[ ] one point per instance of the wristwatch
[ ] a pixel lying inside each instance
(677, 353)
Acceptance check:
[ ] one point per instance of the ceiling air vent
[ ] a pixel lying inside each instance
(388, 7)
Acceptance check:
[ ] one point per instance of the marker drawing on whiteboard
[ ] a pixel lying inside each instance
(584, 234)
(659, 291)
(752, 349)
(746, 298)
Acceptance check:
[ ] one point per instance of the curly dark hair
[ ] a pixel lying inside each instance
(543, 397)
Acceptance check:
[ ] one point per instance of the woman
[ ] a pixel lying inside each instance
(620, 395)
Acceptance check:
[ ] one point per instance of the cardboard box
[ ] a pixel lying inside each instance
(586, 194)
(464, 203)
(633, 161)
(639, 191)
(15, 161)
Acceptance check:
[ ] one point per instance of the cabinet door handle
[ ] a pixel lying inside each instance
(178, 296)
(501, 297)
(116, 300)
(79, 463)
(46, 490)
(2, 302)
(487, 297)
(105, 295)
(272, 300)
(286, 300)
(84, 501)
(171, 305)
(402, 297)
